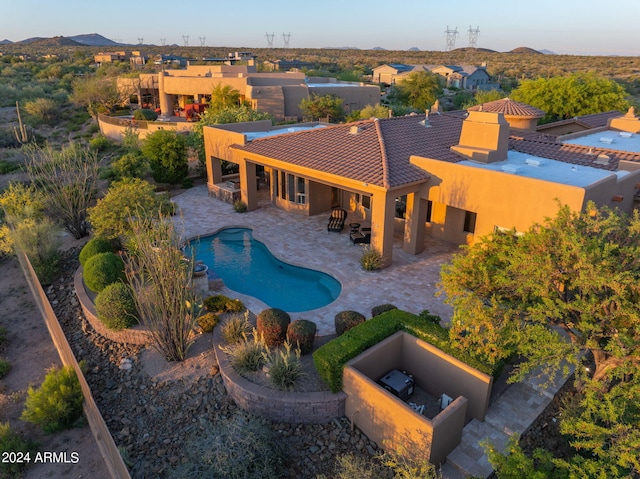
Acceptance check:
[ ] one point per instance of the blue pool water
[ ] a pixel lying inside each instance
(247, 266)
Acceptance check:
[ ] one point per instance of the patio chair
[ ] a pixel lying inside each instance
(361, 237)
(336, 220)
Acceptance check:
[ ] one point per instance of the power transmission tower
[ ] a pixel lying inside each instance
(473, 36)
(451, 38)
(202, 40)
(140, 41)
(270, 37)
(186, 40)
(163, 41)
(285, 38)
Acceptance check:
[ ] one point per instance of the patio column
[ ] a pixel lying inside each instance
(248, 184)
(414, 224)
(214, 170)
(383, 207)
(166, 101)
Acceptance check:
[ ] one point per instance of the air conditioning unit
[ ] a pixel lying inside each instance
(534, 162)
(398, 383)
(607, 140)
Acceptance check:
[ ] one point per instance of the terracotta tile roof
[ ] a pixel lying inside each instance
(595, 120)
(509, 107)
(377, 154)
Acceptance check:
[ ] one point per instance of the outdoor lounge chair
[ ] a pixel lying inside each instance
(361, 237)
(336, 220)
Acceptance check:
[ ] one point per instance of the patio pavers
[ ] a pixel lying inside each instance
(409, 283)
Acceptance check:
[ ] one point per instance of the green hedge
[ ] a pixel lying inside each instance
(331, 358)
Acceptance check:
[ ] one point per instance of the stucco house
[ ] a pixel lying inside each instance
(465, 77)
(277, 93)
(461, 175)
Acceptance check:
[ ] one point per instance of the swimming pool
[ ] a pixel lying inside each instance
(247, 266)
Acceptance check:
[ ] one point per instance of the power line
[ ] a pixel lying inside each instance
(285, 38)
(451, 38)
(140, 40)
(473, 36)
(185, 38)
(163, 41)
(270, 37)
(202, 40)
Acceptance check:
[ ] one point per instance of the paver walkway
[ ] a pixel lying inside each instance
(409, 283)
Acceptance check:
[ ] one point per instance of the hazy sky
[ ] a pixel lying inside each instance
(581, 27)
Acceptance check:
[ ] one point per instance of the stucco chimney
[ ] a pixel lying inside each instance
(484, 137)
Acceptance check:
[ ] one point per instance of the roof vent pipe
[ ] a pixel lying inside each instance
(354, 130)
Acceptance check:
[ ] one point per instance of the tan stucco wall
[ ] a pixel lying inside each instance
(116, 132)
(498, 199)
(390, 422)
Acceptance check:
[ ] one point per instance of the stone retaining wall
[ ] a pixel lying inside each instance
(282, 406)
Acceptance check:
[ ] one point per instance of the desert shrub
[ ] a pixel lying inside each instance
(11, 441)
(219, 303)
(345, 320)
(5, 367)
(116, 307)
(100, 143)
(207, 322)
(3, 335)
(145, 114)
(20, 201)
(235, 448)
(103, 269)
(235, 328)
(42, 110)
(371, 260)
(301, 334)
(167, 154)
(350, 466)
(7, 166)
(129, 165)
(57, 403)
(239, 206)
(382, 308)
(6, 242)
(95, 246)
(39, 240)
(273, 323)
(126, 198)
(284, 366)
(248, 354)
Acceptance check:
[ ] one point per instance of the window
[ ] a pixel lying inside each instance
(283, 182)
(301, 196)
(469, 222)
(291, 187)
(366, 202)
(429, 210)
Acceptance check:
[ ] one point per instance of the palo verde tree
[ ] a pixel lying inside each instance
(160, 277)
(67, 180)
(574, 95)
(419, 90)
(564, 288)
(565, 292)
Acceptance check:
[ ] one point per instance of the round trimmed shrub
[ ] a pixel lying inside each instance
(345, 320)
(103, 269)
(95, 246)
(207, 322)
(116, 307)
(301, 333)
(382, 308)
(272, 323)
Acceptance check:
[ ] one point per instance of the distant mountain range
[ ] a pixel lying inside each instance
(89, 39)
(97, 40)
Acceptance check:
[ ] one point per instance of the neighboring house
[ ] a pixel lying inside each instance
(520, 116)
(276, 93)
(465, 77)
(286, 65)
(460, 178)
(109, 57)
(578, 123)
(172, 60)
